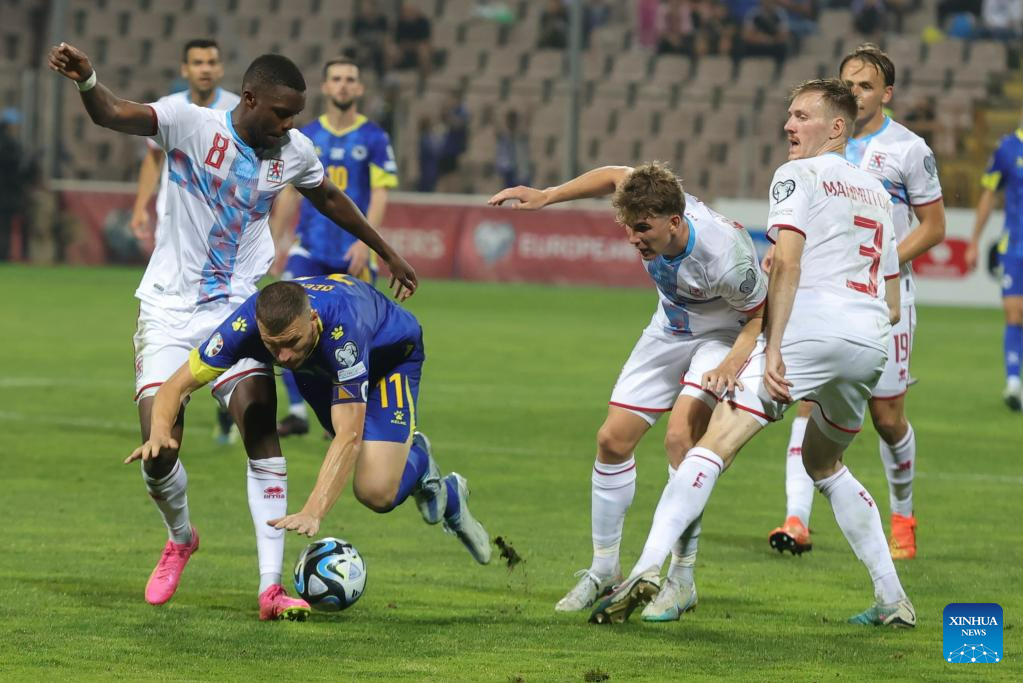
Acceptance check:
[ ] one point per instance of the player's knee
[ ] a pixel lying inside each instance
(376, 498)
(678, 442)
(890, 426)
(157, 468)
(611, 447)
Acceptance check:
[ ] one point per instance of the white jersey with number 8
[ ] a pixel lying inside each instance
(845, 215)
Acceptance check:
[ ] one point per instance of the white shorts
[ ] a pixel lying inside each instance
(835, 374)
(894, 380)
(164, 338)
(663, 367)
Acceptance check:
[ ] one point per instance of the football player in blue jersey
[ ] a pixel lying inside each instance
(359, 159)
(1005, 172)
(357, 359)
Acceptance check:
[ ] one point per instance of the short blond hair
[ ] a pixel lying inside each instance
(652, 189)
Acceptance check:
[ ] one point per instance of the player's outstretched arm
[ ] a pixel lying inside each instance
(343, 452)
(166, 406)
(725, 377)
(781, 292)
(893, 299)
(149, 178)
(335, 205)
(599, 182)
(984, 208)
(930, 232)
(105, 108)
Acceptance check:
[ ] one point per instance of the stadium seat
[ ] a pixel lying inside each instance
(670, 70)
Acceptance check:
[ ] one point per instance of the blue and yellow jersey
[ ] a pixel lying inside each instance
(358, 160)
(363, 336)
(1005, 172)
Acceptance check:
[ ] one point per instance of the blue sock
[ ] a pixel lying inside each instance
(294, 396)
(416, 465)
(453, 507)
(1013, 348)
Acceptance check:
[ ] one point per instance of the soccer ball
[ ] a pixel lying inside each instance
(330, 574)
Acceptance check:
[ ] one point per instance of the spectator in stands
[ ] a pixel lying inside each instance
(411, 48)
(598, 13)
(370, 30)
(717, 29)
(512, 160)
(1001, 19)
(430, 144)
(455, 121)
(948, 8)
(765, 33)
(13, 185)
(676, 28)
(801, 15)
(646, 22)
(922, 119)
(869, 17)
(553, 26)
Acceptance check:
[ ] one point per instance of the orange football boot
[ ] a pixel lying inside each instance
(902, 542)
(791, 536)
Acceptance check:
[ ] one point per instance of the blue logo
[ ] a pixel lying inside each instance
(972, 633)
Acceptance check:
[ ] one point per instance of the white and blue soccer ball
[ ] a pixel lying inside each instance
(330, 574)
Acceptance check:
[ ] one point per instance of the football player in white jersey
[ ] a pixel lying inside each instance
(905, 165)
(202, 70)
(829, 316)
(224, 170)
(711, 293)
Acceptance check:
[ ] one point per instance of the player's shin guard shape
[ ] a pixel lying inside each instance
(268, 499)
(857, 516)
(798, 484)
(612, 490)
(682, 503)
(170, 493)
(416, 464)
(1013, 345)
(900, 465)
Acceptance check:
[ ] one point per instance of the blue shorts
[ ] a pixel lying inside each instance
(390, 401)
(303, 265)
(1012, 275)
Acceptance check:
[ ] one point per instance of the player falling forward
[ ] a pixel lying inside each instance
(225, 168)
(202, 70)
(829, 317)
(358, 158)
(905, 165)
(711, 292)
(357, 359)
(1005, 172)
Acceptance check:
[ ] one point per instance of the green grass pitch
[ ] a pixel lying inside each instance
(515, 386)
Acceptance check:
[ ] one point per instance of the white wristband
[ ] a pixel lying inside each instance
(88, 84)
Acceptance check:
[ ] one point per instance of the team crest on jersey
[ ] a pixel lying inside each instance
(359, 152)
(782, 190)
(337, 153)
(876, 162)
(275, 171)
(215, 344)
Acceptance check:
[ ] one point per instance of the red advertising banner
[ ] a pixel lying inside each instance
(426, 236)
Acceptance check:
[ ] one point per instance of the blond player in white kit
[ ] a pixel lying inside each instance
(905, 165)
(224, 170)
(711, 293)
(829, 315)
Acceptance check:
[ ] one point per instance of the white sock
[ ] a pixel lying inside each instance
(857, 516)
(683, 552)
(298, 410)
(900, 465)
(170, 493)
(611, 493)
(681, 504)
(798, 484)
(268, 499)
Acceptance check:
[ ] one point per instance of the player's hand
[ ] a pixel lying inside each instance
(403, 277)
(765, 265)
(774, 376)
(358, 258)
(528, 197)
(140, 225)
(970, 256)
(151, 449)
(69, 61)
(300, 522)
(724, 378)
